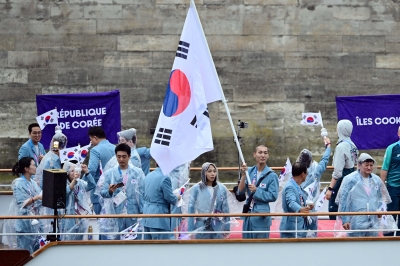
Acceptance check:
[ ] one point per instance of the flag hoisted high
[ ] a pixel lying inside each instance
(311, 119)
(183, 129)
(50, 117)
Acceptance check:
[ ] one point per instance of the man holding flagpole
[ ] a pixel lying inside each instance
(262, 190)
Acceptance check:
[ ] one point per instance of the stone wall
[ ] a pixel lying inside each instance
(275, 59)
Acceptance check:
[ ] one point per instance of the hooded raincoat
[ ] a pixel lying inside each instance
(208, 199)
(344, 159)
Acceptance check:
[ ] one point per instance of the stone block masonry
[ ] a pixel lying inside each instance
(275, 59)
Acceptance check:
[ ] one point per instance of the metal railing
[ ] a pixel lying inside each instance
(207, 215)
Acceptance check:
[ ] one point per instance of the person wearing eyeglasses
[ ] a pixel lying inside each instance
(33, 148)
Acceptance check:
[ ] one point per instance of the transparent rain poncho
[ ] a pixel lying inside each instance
(51, 160)
(358, 194)
(209, 199)
(180, 183)
(126, 137)
(77, 203)
(23, 191)
(127, 199)
(112, 163)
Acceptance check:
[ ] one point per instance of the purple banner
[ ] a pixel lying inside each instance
(375, 119)
(78, 112)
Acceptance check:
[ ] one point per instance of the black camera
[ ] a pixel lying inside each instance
(242, 124)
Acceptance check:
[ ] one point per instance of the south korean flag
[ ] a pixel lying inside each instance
(50, 117)
(183, 130)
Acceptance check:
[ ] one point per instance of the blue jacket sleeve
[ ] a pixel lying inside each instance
(323, 163)
(144, 152)
(23, 152)
(141, 190)
(94, 163)
(91, 184)
(167, 191)
(271, 194)
(291, 199)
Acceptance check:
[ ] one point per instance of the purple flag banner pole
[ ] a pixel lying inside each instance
(375, 119)
(78, 112)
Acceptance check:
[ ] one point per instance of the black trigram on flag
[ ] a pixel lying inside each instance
(194, 120)
(183, 50)
(163, 136)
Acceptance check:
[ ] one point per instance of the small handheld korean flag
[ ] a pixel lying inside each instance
(183, 129)
(130, 233)
(311, 119)
(50, 117)
(69, 154)
(310, 190)
(286, 170)
(83, 152)
(320, 201)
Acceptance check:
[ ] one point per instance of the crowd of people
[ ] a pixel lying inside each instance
(126, 186)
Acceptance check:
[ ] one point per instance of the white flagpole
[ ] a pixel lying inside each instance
(324, 132)
(224, 100)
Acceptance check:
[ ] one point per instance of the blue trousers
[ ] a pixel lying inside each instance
(394, 193)
(156, 236)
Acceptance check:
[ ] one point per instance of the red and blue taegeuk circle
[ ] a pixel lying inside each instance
(177, 97)
(47, 119)
(70, 155)
(84, 153)
(310, 119)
